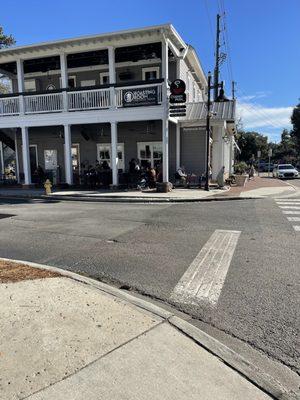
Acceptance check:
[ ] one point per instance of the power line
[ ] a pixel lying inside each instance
(209, 21)
(258, 111)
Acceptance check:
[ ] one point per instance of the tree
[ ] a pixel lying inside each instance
(5, 41)
(249, 143)
(295, 133)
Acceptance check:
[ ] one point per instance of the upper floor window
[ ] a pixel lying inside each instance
(71, 81)
(104, 78)
(150, 73)
(30, 85)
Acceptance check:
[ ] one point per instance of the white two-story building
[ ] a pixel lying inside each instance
(105, 98)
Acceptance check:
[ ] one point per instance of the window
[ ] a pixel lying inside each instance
(50, 157)
(150, 73)
(150, 152)
(104, 154)
(88, 82)
(30, 85)
(71, 81)
(75, 157)
(104, 78)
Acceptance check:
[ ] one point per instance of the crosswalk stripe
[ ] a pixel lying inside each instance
(291, 212)
(283, 203)
(297, 228)
(290, 207)
(205, 277)
(293, 219)
(287, 199)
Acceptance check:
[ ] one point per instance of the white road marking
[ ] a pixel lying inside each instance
(291, 212)
(297, 228)
(205, 277)
(293, 203)
(293, 219)
(291, 207)
(287, 199)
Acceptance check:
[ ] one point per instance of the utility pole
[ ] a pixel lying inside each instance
(217, 58)
(208, 131)
(233, 89)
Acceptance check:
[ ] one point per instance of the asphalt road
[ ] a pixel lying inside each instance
(148, 248)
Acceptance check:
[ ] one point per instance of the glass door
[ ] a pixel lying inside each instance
(104, 154)
(76, 162)
(150, 153)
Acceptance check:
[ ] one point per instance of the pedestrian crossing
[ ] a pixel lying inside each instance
(290, 207)
(205, 277)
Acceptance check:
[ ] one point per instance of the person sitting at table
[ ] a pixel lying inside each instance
(181, 176)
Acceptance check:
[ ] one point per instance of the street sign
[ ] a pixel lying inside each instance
(177, 98)
(178, 110)
(258, 153)
(177, 87)
(270, 152)
(178, 107)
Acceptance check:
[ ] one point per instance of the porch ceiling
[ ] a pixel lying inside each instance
(117, 39)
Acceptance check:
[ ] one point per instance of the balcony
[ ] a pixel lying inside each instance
(82, 99)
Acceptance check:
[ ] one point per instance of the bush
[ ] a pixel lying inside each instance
(240, 168)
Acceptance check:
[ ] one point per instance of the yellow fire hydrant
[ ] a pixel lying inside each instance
(48, 186)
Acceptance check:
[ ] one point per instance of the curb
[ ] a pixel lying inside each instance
(125, 199)
(232, 359)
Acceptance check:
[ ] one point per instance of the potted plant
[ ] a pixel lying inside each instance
(241, 176)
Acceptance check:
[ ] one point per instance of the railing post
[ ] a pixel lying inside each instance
(21, 85)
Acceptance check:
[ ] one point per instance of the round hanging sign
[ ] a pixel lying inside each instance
(177, 86)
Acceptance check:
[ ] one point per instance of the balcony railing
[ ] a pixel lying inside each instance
(92, 98)
(43, 103)
(89, 99)
(9, 106)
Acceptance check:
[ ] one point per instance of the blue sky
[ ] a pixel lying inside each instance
(263, 41)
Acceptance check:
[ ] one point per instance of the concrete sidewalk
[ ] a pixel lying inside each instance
(256, 188)
(72, 338)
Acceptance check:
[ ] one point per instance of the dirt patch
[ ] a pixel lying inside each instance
(14, 272)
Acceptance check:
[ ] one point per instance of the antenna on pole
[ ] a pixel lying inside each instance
(217, 59)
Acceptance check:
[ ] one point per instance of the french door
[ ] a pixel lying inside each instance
(150, 153)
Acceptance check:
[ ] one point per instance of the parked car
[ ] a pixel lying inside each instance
(285, 171)
(263, 166)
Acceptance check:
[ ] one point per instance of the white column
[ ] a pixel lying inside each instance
(21, 84)
(1, 159)
(165, 69)
(17, 158)
(178, 150)
(230, 155)
(64, 79)
(114, 153)
(112, 74)
(26, 156)
(165, 137)
(68, 154)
